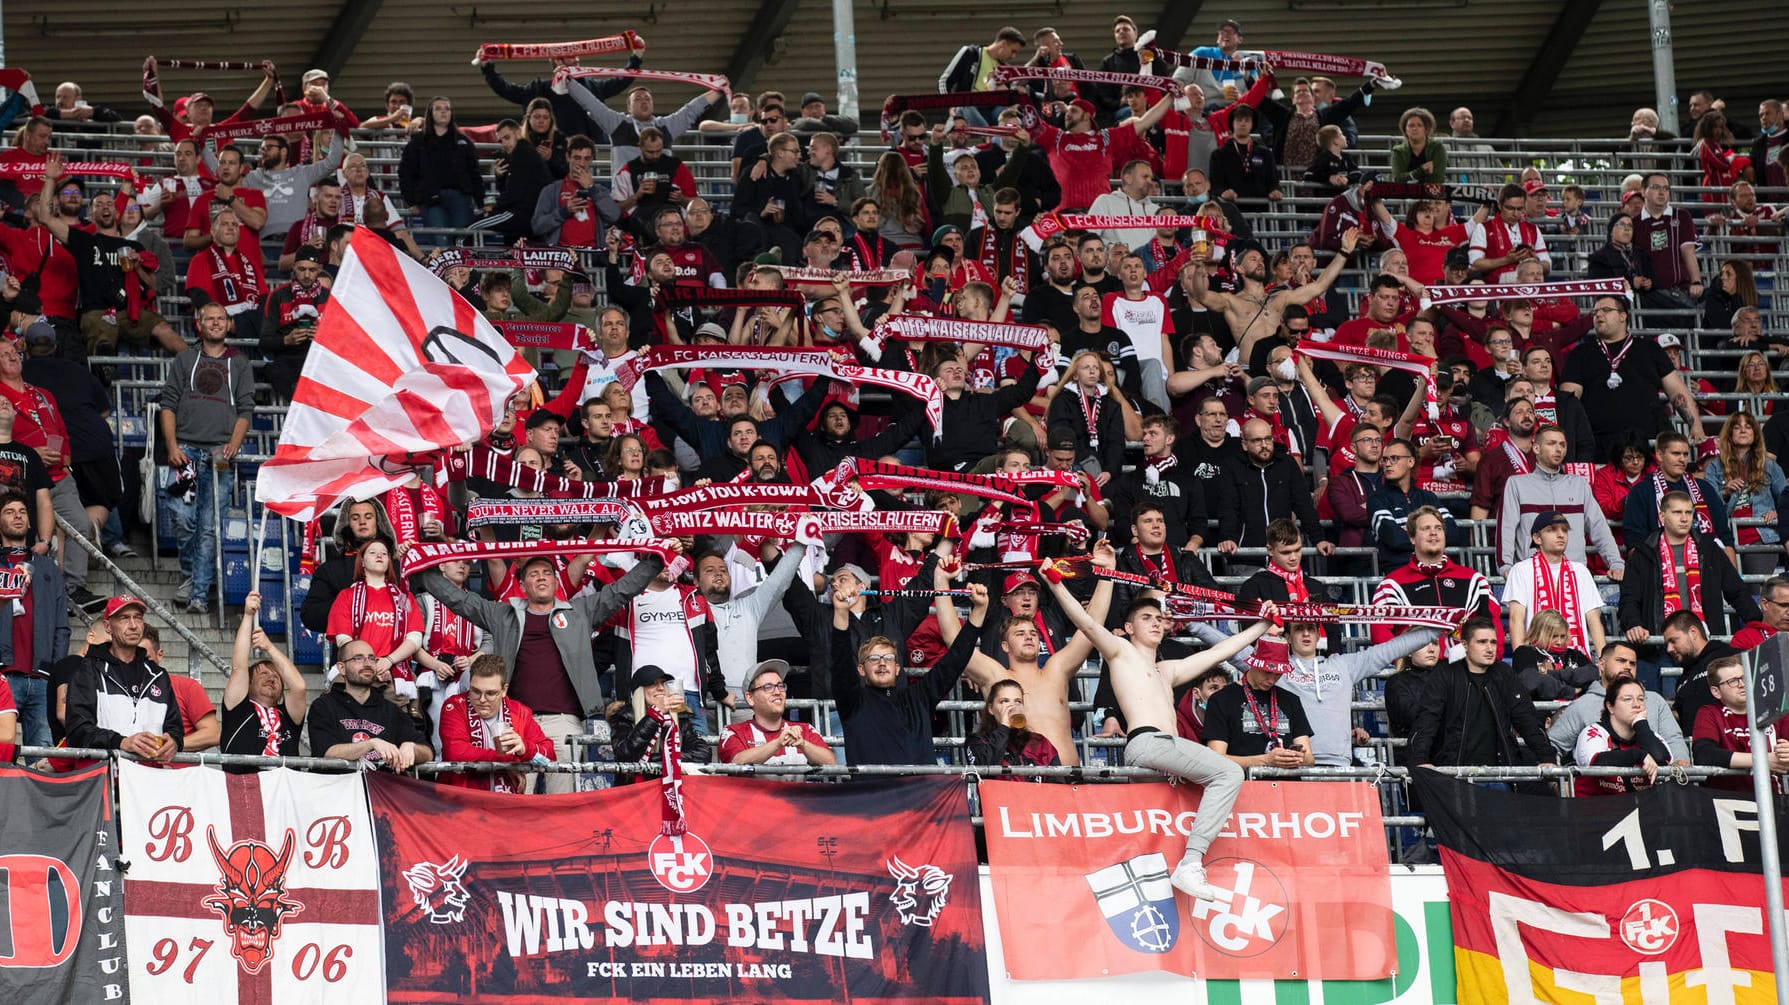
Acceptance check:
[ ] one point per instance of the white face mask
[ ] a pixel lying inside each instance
(739, 118)
(1285, 370)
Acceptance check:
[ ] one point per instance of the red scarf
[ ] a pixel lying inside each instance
(1296, 591)
(475, 731)
(1674, 591)
(1560, 595)
(1157, 468)
(449, 635)
(1014, 265)
(407, 516)
(1090, 408)
(1704, 522)
(270, 727)
(1161, 567)
(670, 780)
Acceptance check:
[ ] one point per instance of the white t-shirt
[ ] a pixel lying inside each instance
(661, 636)
(1518, 587)
(601, 374)
(1143, 320)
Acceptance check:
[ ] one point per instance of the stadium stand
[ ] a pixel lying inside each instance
(1377, 442)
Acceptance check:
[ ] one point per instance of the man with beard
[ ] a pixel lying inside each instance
(229, 277)
(1081, 155)
(1151, 553)
(1265, 485)
(1252, 312)
(729, 241)
(739, 615)
(996, 245)
(586, 452)
(1509, 452)
(313, 228)
(353, 720)
(1090, 333)
(230, 192)
(118, 699)
(1052, 301)
(117, 277)
(286, 186)
(835, 437)
(764, 464)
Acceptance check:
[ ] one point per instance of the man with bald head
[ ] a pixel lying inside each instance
(1264, 485)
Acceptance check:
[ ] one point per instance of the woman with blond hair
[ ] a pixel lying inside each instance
(1753, 379)
(1750, 482)
(1547, 667)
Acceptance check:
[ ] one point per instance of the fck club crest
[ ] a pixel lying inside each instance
(251, 896)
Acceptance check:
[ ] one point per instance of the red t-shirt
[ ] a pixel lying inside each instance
(743, 736)
(379, 624)
(27, 187)
(1355, 332)
(7, 707)
(1426, 252)
(194, 703)
(33, 249)
(200, 218)
(178, 197)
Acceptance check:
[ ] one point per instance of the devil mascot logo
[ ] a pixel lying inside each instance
(252, 896)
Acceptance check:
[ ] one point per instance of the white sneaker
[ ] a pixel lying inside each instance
(1189, 878)
(184, 593)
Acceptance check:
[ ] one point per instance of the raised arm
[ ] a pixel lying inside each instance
(236, 687)
(1182, 671)
(1110, 646)
(1321, 283)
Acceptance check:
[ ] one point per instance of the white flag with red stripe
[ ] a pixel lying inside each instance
(401, 366)
(260, 887)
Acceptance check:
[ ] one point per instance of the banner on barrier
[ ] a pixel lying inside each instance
(250, 888)
(1653, 897)
(778, 892)
(61, 923)
(1081, 882)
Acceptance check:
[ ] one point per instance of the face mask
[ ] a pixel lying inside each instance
(1285, 370)
(739, 118)
(1195, 200)
(935, 288)
(829, 331)
(1771, 130)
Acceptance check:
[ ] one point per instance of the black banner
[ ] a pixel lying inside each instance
(61, 896)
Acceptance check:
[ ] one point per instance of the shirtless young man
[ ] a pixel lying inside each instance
(1252, 313)
(1046, 687)
(1145, 690)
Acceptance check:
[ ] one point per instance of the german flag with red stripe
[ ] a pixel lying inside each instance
(1650, 897)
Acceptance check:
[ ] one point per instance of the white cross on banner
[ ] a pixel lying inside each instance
(251, 888)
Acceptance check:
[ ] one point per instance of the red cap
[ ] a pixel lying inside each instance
(1086, 106)
(1534, 185)
(1708, 448)
(1271, 655)
(122, 601)
(1017, 580)
(198, 96)
(1632, 194)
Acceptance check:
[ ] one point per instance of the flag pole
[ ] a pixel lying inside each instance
(254, 583)
(1763, 698)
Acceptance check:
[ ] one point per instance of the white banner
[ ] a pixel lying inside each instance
(249, 888)
(1425, 960)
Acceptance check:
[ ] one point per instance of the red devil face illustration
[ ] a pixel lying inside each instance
(252, 896)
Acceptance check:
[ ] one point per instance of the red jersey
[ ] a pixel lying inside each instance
(1355, 332)
(200, 218)
(382, 624)
(579, 229)
(466, 737)
(1730, 731)
(27, 187)
(1082, 162)
(177, 195)
(8, 707)
(743, 736)
(1426, 252)
(39, 424)
(33, 250)
(696, 266)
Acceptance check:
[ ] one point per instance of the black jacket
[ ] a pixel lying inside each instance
(972, 424)
(1106, 97)
(519, 188)
(642, 740)
(820, 454)
(1403, 704)
(1692, 687)
(731, 241)
(894, 725)
(1441, 721)
(813, 619)
(1180, 493)
(434, 164)
(138, 685)
(1643, 592)
(568, 115)
(959, 76)
(1037, 185)
(1250, 496)
(1187, 569)
(1066, 419)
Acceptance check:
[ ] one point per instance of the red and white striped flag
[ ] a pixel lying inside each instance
(402, 366)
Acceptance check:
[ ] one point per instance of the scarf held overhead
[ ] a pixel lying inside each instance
(1421, 367)
(1528, 291)
(1281, 59)
(558, 50)
(704, 81)
(430, 554)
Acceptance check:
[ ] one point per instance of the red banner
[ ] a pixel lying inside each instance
(779, 892)
(1081, 882)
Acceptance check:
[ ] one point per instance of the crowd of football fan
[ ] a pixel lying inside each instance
(1257, 463)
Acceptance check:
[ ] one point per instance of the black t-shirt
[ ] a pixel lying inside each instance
(1478, 740)
(244, 732)
(61, 672)
(1047, 304)
(1228, 718)
(1634, 404)
(1117, 346)
(22, 471)
(335, 717)
(96, 262)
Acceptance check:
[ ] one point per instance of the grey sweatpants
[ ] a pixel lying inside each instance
(66, 500)
(1182, 758)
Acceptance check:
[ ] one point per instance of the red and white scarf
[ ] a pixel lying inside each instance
(1090, 402)
(705, 81)
(1157, 468)
(490, 512)
(1677, 595)
(1215, 605)
(1518, 461)
(430, 554)
(670, 781)
(449, 635)
(1526, 291)
(27, 171)
(1296, 590)
(152, 81)
(1421, 367)
(505, 258)
(491, 51)
(921, 328)
(817, 362)
(1560, 595)
(402, 509)
(495, 466)
(225, 132)
(1278, 59)
(1047, 225)
(1704, 522)
(524, 334)
(400, 610)
(1004, 75)
(1162, 566)
(500, 781)
(271, 724)
(987, 252)
(872, 475)
(807, 528)
(801, 277)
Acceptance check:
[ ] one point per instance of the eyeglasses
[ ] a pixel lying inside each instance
(1606, 310)
(478, 693)
(890, 658)
(1389, 458)
(1732, 682)
(1257, 439)
(778, 688)
(363, 658)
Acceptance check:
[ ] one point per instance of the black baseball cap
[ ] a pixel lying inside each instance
(647, 676)
(1548, 519)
